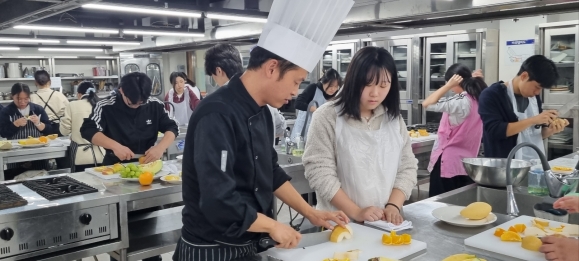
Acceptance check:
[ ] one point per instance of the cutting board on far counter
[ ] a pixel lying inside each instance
(488, 244)
(368, 240)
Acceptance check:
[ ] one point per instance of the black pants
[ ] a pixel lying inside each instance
(440, 185)
(187, 251)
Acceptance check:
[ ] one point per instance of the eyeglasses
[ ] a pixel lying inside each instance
(128, 102)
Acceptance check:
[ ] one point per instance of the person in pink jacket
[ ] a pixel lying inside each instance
(460, 131)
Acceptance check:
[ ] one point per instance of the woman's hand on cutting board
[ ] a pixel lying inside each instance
(560, 249)
(321, 218)
(569, 203)
(392, 215)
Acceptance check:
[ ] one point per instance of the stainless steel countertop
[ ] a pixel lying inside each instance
(30, 151)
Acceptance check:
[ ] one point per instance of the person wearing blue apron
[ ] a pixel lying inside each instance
(512, 113)
(314, 96)
(22, 119)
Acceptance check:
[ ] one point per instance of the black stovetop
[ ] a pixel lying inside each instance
(58, 187)
(9, 199)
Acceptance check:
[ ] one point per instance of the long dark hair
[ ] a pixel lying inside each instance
(174, 76)
(367, 67)
(330, 76)
(472, 85)
(88, 90)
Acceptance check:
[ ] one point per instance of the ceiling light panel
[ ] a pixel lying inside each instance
(69, 50)
(163, 33)
(7, 48)
(68, 29)
(27, 40)
(134, 9)
(237, 18)
(100, 42)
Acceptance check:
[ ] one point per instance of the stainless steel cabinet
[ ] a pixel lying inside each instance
(560, 42)
(149, 63)
(338, 56)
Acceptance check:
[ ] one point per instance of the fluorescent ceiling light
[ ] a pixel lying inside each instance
(131, 9)
(3, 48)
(68, 29)
(101, 42)
(163, 33)
(28, 40)
(69, 50)
(237, 18)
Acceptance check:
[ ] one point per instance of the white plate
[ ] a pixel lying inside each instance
(451, 215)
(175, 182)
(156, 177)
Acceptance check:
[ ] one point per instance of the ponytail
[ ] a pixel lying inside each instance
(473, 86)
(88, 92)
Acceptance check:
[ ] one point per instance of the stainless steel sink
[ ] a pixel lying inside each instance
(496, 198)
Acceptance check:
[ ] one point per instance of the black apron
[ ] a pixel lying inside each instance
(74, 147)
(29, 130)
(54, 123)
(186, 251)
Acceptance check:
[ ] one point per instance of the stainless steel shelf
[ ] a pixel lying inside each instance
(90, 77)
(15, 79)
(563, 65)
(466, 55)
(438, 56)
(152, 234)
(560, 146)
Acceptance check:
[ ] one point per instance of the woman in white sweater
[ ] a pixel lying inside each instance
(358, 155)
(52, 101)
(82, 153)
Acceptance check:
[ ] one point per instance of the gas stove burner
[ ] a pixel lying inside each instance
(58, 187)
(11, 200)
(4, 189)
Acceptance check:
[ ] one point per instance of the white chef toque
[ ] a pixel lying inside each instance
(300, 30)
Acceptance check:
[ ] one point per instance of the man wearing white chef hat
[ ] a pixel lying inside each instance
(230, 170)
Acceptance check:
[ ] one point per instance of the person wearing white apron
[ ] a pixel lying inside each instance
(358, 157)
(183, 98)
(312, 97)
(511, 112)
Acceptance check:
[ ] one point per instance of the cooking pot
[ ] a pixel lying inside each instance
(14, 70)
(2, 71)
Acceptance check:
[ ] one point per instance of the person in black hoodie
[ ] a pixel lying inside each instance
(127, 123)
(22, 119)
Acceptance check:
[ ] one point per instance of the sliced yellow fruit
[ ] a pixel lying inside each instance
(534, 231)
(339, 233)
(499, 232)
(542, 222)
(459, 257)
(531, 243)
(511, 236)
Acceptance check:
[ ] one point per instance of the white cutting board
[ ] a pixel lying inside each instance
(100, 175)
(488, 244)
(366, 239)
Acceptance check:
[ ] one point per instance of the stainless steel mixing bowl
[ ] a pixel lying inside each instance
(492, 171)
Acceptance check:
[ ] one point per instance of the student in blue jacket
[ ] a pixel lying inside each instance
(22, 119)
(511, 111)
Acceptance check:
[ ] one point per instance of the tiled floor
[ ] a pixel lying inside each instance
(284, 216)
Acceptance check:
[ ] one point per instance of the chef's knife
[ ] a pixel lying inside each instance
(308, 240)
(563, 110)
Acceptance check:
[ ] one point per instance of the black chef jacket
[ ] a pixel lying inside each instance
(230, 168)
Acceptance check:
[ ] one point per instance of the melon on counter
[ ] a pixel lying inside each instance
(339, 233)
(476, 211)
(152, 167)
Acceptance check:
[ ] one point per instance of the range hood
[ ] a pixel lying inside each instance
(375, 16)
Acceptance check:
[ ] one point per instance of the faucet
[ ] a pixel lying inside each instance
(512, 208)
(288, 142)
(557, 184)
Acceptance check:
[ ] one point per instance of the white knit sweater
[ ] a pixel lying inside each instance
(319, 158)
